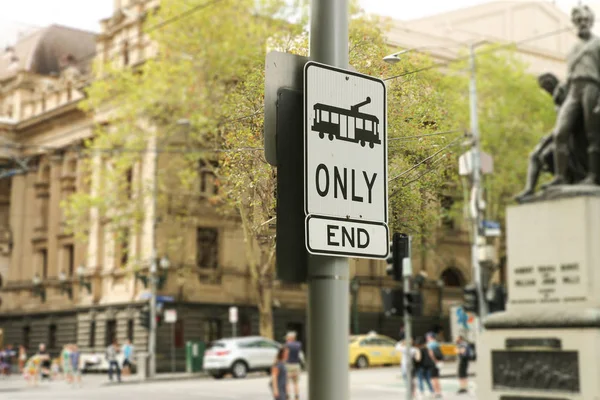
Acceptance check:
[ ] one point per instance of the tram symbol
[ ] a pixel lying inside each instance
(348, 125)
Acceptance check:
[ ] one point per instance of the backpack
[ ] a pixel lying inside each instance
(471, 354)
(437, 352)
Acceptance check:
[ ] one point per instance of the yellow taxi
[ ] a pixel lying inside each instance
(373, 349)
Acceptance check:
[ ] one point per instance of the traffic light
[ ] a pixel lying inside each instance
(399, 250)
(392, 302)
(413, 303)
(145, 318)
(471, 299)
(496, 298)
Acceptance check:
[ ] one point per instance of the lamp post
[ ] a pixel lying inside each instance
(440, 285)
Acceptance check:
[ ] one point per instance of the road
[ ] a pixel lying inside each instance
(371, 384)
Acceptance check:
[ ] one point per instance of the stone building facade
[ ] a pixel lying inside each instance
(55, 289)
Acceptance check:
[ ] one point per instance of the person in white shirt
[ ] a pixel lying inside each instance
(408, 352)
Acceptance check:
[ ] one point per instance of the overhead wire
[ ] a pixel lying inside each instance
(453, 142)
(426, 135)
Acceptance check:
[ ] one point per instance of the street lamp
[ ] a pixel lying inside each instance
(65, 285)
(38, 289)
(440, 285)
(82, 281)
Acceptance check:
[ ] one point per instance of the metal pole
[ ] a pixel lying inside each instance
(153, 270)
(234, 329)
(328, 277)
(476, 189)
(173, 347)
(407, 273)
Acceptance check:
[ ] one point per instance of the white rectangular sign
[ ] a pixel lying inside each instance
(233, 315)
(170, 316)
(345, 160)
(351, 238)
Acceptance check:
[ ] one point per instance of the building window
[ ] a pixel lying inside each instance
(207, 248)
(130, 328)
(52, 337)
(124, 246)
(212, 330)
(452, 277)
(110, 332)
(26, 335)
(43, 256)
(129, 182)
(92, 342)
(208, 179)
(69, 253)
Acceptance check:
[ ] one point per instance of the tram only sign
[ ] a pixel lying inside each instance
(345, 163)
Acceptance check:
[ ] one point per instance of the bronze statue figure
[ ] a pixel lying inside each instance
(541, 159)
(582, 102)
(572, 151)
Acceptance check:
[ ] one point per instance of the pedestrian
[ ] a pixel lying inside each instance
(423, 366)
(127, 357)
(279, 375)
(111, 356)
(75, 368)
(465, 354)
(408, 352)
(293, 364)
(65, 362)
(22, 358)
(435, 352)
(45, 362)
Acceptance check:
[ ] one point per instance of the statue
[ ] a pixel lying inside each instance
(572, 151)
(541, 158)
(582, 103)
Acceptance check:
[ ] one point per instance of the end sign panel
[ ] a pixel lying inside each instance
(345, 163)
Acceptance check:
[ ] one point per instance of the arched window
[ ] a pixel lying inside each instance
(452, 277)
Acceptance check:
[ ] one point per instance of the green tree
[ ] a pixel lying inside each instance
(209, 70)
(514, 113)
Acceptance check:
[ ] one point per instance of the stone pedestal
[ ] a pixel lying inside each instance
(547, 343)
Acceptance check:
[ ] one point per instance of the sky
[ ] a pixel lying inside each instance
(23, 15)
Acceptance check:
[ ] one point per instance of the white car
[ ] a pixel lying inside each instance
(239, 356)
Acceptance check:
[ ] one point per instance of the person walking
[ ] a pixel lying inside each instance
(127, 357)
(423, 367)
(65, 363)
(111, 357)
(279, 379)
(22, 358)
(465, 353)
(74, 359)
(45, 362)
(408, 352)
(435, 352)
(293, 365)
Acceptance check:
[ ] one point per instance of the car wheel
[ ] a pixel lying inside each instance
(362, 362)
(218, 375)
(239, 369)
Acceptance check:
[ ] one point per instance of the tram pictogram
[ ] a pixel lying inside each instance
(348, 125)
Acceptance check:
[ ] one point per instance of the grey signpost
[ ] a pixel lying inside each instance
(340, 194)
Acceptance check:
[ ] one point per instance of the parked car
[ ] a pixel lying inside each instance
(372, 349)
(238, 356)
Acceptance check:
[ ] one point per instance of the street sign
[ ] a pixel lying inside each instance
(345, 163)
(170, 316)
(233, 315)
